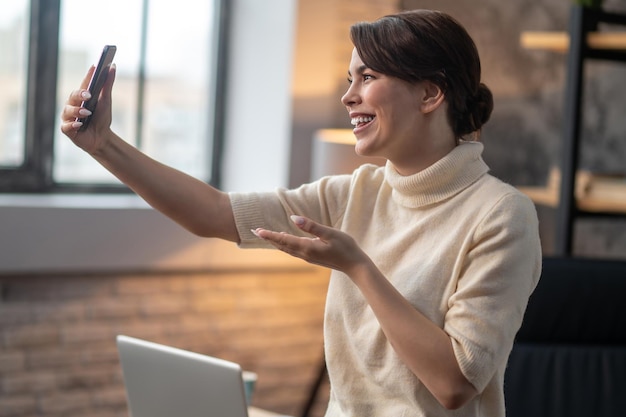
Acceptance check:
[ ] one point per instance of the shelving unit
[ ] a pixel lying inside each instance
(583, 21)
(584, 42)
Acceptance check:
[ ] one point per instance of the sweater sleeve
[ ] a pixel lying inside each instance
(322, 201)
(495, 280)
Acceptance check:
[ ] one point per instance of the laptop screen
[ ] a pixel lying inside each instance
(162, 381)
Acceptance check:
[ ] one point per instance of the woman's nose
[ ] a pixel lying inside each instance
(350, 97)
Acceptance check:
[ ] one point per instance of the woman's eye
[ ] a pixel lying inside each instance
(349, 80)
(367, 77)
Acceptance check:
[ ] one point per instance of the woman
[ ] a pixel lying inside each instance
(433, 259)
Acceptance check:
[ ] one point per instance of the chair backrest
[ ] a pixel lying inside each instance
(569, 357)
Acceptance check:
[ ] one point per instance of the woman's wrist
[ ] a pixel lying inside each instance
(361, 270)
(106, 145)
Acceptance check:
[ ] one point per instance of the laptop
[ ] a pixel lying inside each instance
(162, 381)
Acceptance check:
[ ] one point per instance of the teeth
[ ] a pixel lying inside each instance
(356, 120)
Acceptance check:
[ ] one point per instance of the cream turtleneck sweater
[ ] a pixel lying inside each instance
(459, 244)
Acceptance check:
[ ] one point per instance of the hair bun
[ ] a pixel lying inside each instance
(482, 107)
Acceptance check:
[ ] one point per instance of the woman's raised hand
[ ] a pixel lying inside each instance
(94, 137)
(327, 247)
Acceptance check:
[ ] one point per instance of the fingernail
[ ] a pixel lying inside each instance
(85, 95)
(299, 220)
(84, 112)
(254, 232)
(77, 125)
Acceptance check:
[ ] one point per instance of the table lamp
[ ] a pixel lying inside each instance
(333, 153)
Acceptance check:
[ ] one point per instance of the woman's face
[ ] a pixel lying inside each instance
(388, 118)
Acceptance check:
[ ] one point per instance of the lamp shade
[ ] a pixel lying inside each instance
(333, 153)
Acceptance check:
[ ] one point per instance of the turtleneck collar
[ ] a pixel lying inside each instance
(440, 181)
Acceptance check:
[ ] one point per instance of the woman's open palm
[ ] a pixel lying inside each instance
(327, 247)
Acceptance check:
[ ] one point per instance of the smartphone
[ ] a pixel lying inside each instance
(97, 81)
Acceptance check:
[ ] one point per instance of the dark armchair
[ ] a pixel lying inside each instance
(569, 358)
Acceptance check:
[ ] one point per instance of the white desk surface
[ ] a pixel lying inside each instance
(257, 412)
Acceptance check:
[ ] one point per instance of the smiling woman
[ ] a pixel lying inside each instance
(432, 264)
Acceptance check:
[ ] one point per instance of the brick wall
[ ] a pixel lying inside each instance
(57, 348)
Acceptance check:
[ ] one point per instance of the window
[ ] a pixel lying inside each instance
(166, 93)
(13, 44)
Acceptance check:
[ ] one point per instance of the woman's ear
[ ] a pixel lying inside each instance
(432, 97)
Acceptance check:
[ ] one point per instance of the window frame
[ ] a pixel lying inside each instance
(35, 175)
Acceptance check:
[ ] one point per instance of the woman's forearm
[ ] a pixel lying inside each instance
(193, 204)
(422, 345)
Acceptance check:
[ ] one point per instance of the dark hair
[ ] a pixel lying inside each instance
(429, 45)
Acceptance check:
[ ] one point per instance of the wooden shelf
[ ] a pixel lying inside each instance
(594, 193)
(559, 41)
